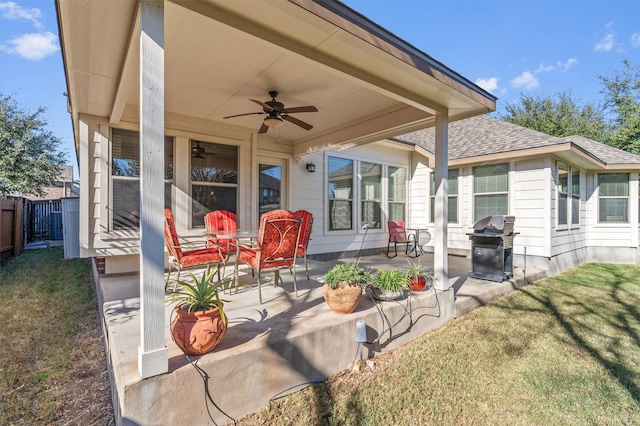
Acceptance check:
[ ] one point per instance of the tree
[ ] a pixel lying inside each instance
(622, 100)
(29, 156)
(561, 115)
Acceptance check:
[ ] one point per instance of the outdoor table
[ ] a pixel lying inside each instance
(238, 235)
(425, 231)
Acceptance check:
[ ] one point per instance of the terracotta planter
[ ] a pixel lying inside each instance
(418, 283)
(342, 300)
(197, 332)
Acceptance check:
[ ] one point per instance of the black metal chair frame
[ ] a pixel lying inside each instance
(411, 239)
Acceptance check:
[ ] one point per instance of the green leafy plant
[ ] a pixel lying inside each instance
(347, 275)
(415, 269)
(202, 295)
(390, 280)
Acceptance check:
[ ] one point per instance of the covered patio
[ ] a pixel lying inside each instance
(278, 347)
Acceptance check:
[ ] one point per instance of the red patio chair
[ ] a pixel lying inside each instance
(306, 224)
(187, 258)
(221, 220)
(398, 235)
(276, 247)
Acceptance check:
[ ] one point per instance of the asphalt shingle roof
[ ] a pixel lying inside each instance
(484, 135)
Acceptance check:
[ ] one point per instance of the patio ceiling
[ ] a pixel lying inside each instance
(366, 83)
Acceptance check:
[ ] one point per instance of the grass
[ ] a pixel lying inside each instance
(564, 350)
(52, 364)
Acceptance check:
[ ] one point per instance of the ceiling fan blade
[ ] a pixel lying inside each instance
(297, 122)
(263, 128)
(248, 113)
(308, 108)
(267, 107)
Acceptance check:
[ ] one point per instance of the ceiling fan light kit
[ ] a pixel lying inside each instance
(273, 122)
(277, 114)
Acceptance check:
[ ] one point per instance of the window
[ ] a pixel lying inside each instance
(371, 195)
(613, 197)
(491, 190)
(563, 193)
(568, 185)
(125, 177)
(214, 179)
(340, 193)
(374, 201)
(575, 196)
(396, 192)
(452, 184)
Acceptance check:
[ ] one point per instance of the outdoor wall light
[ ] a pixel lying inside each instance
(311, 167)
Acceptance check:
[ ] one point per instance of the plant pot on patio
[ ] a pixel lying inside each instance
(389, 284)
(418, 276)
(197, 332)
(343, 287)
(200, 322)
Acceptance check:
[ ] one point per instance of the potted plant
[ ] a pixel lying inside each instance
(343, 286)
(200, 321)
(389, 284)
(418, 276)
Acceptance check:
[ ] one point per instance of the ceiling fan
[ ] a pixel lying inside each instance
(197, 151)
(277, 114)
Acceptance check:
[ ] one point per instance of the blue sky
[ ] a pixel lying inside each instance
(509, 47)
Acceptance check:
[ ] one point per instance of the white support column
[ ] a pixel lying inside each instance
(152, 353)
(440, 261)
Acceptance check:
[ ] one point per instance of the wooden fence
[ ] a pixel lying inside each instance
(10, 228)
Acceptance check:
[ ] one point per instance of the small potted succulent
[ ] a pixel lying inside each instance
(343, 286)
(419, 276)
(200, 321)
(389, 284)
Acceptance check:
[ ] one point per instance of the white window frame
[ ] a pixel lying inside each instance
(484, 194)
(571, 197)
(356, 200)
(613, 197)
(211, 184)
(113, 178)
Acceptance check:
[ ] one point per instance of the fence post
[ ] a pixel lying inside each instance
(17, 227)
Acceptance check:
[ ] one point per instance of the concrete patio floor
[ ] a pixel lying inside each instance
(275, 348)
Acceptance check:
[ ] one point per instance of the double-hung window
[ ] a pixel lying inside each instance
(125, 177)
(568, 194)
(340, 193)
(490, 190)
(452, 187)
(396, 192)
(371, 195)
(613, 197)
(214, 179)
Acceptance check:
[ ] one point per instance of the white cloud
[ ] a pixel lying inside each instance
(11, 10)
(34, 46)
(608, 42)
(525, 80)
(567, 65)
(544, 68)
(488, 84)
(635, 39)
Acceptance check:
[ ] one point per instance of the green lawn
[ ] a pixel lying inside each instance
(52, 364)
(564, 350)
